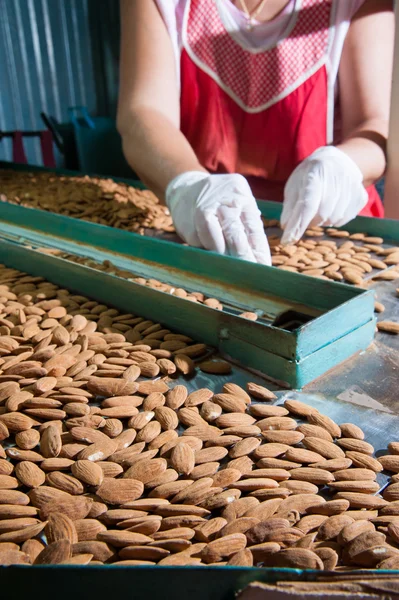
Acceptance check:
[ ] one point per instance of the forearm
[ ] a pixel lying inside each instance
(366, 146)
(155, 148)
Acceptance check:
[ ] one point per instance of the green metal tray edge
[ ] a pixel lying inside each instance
(226, 332)
(255, 278)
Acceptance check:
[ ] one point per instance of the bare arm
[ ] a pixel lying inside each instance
(365, 87)
(148, 108)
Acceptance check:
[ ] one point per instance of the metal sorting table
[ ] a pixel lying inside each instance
(360, 390)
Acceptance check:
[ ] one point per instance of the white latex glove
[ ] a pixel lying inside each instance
(219, 213)
(325, 189)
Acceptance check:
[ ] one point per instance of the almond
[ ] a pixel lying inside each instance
(349, 430)
(364, 461)
(7, 482)
(120, 491)
(223, 547)
(270, 450)
(13, 557)
(301, 455)
(87, 529)
(22, 535)
(203, 432)
(364, 487)
(299, 487)
(60, 527)
(210, 411)
(332, 507)
(50, 442)
(29, 474)
(166, 417)
(32, 548)
(205, 470)
(54, 553)
(356, 445)
(216, 367)
(333, 464)
(260, 392)
(76, 507)
(195, 493)
(244, 447)
(230, 402)
(351, 531)
(183, 458)
(184, 364)
(88, 472)
(310, 523)
(108, 386)
(27, 440)
(6, 468)
(17, 454)
(325, 449)
(312, 475)
(176, 397)
(99, 450)
(210, 454)
(359, 500)
(263, 510)
(234, 420)
(299, 408)
(65, 483)
(121, 539)
(391, 493)
(283, 437)
(146, 470)
(296, 558)
(16, 511)
(277, 423)
(243, 464)
(16, 422)
(331, 528)
(99, 550)
(390, 462)
(324, 422)
(355, 475)
(236, 390)
(314, 431)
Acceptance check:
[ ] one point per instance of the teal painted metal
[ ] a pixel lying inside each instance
(138, 583)
(251, 343)
(345, 308)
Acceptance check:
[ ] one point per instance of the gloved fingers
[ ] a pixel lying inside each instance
(354, 208)
(190, 237)
(209, 231)
(237, 243)
(256, 236)
(290, 199)
(305, 210)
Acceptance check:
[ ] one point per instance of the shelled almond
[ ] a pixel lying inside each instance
(94, 199)
(103, 460)
(338, 256)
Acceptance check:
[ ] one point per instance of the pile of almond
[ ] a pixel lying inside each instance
(105, 457)
(94, 199)
(343, 256)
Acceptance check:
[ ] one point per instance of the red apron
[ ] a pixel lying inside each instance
(259, 114)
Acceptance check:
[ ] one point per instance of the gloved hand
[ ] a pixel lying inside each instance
(325, 189)
(219, 213)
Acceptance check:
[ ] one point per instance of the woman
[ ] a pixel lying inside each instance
(222, 101)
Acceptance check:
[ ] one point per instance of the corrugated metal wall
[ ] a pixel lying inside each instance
(55, 54)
